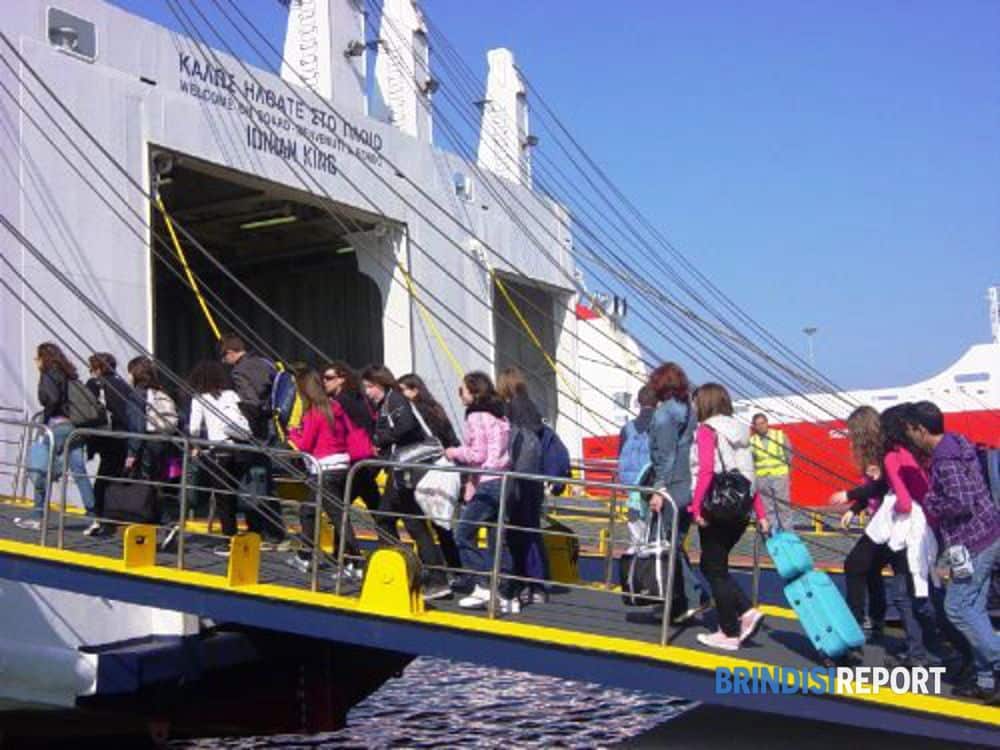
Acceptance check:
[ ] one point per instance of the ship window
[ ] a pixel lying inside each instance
(463, 186)
(972, 377)
(887, 398)
(72, 34)
(623, 399)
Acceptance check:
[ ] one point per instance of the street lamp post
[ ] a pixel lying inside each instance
(810, 331)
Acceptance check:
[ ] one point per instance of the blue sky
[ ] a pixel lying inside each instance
(834, 165)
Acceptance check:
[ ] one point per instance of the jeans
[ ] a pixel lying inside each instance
(333, 505)
(865, 561)
(400, 499)
(263, 515)
(483, 508)
(777, 504)
(527, 549)
(717, 541)
(695, 588)
(965, 604)
(38, 459)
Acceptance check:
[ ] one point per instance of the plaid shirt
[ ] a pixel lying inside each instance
(958, 501)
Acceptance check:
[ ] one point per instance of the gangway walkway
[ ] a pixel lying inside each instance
(583, 633)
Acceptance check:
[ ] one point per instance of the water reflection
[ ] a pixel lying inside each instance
(438, 703)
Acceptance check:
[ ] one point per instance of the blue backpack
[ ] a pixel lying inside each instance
(282, 400)
(633, 458)
(989, 461)
(555, 458)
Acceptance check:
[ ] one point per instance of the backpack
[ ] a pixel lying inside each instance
(525, 458)
(161, 412)
(634, 455)
(989, 462)
(555, 457)
(83, 407)
(281, 402)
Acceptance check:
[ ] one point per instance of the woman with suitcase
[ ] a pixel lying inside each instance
(724, 496)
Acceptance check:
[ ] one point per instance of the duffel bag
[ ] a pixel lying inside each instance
(133, 502)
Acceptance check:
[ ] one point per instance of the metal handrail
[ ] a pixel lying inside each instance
(505, 477)
(187, 444)
(49, 436)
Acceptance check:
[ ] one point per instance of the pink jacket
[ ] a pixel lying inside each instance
(907, 478)
(486, 445)
(316, 437)
(705, 441)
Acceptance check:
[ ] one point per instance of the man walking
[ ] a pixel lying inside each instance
(772, 458)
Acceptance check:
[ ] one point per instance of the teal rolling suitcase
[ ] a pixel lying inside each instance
(824, 615)
(789, 553)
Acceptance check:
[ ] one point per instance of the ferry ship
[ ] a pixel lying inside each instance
(316, 212)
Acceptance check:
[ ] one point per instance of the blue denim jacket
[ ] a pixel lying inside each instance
(670, 438)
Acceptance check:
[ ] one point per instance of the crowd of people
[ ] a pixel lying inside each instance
(685, 445)
(336, 415)
(929, 508)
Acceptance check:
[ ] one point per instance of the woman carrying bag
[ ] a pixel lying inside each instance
(399, 436)
(724, 496)
(438, 492)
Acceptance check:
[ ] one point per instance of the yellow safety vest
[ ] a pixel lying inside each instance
(769, 461)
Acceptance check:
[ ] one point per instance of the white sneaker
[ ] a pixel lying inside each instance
(299, 563)
(719, 640)
(92, 529)
(510, 606)
(477, 599)
(749, 622)
(354, 573)
(31, 524)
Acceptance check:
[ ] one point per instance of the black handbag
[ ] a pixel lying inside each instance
(132, 501)
(731, 496)
(643, 574)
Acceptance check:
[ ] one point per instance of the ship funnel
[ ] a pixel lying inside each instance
(504, 141)
(325, 48)
(402, 78)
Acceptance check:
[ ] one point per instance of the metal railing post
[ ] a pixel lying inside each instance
(50, 437)
(61, 527)
(317, 522)
(755, 576)
(344, 518)
(668, 599)
(609, 553)
(498, 549)
(183, 505)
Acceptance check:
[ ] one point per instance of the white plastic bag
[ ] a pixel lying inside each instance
(437, 494)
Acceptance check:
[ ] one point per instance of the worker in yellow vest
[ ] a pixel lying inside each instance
(772, 458)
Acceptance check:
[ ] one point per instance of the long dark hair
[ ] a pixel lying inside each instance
(310, 387)
(209, 376)
(52, 357)
(893, 422)
(144, 374)
(380, 375)
(425, 400)
(480, 387)
(352, 383)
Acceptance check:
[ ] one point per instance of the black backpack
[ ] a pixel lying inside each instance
(83, 408)
(731, 497)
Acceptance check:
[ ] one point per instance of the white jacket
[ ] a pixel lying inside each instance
(907, 531)
(733, 448)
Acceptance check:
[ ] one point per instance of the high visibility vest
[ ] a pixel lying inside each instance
(769, 458)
